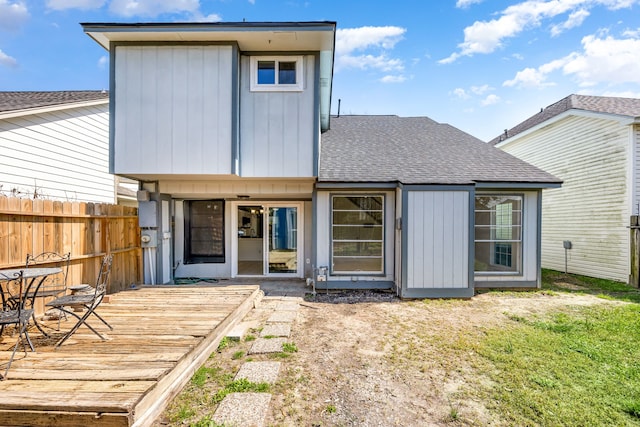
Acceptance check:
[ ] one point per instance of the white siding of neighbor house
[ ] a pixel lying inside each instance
(173, 110)
(277, 128)
(323, 241)
(438, 239)
(61, 155)
(591, 209)
(529, 271)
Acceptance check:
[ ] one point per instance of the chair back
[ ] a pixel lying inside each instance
(53, 284)
(12, 293)
(103, 276)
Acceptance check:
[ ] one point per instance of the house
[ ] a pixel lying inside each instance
(54, 145)
(245, 173)
(591, 143)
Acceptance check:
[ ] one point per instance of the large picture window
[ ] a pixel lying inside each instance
(204, 231)
(357, 234)
(276, 73)
(498, 233)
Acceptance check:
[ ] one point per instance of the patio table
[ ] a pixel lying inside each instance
(32, 278)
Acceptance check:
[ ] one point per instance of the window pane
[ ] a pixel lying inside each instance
(287, 73)
(204, 220)
(266, 72)
(357, 234)
(366, 265)
(497, 257)
(498, 233)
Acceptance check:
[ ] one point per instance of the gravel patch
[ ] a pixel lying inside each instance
(352, 297)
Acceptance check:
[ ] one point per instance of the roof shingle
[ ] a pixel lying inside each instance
(415, 150)
(629, 107)
(10, 101)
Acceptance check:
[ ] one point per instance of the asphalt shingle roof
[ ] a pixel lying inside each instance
(415, 150)
(629, 107)
(10, 101)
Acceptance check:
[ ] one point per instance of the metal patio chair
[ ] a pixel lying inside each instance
(49, 286)
(14, 313)
(89, 302)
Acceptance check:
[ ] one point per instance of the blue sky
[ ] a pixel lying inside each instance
(479, 65)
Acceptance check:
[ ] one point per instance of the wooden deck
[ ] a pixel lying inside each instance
(161, 336)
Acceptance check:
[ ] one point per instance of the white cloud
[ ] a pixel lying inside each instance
(103, 61)
(12, 15)
(353, 46)
(490, 100)
(460, 93)
(487, 36)
(480, 90)
(575, 20)
(463, 4)
(393, 79)
(603, 60)
(634, 34)
(75, 4)
(199, 17)
(7, 60)
(152, 8)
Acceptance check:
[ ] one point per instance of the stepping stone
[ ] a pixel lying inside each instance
(243, 409)
(288, 306)
(263, 345)
(276, 330)
(282, 316)
(259, 372)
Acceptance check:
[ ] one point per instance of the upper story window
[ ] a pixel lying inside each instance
(276, 73)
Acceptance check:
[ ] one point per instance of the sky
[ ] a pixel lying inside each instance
(480, 65)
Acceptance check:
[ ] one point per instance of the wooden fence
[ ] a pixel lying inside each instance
(87, 230)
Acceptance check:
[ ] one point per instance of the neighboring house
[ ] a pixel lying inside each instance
(54, 145)
(245, 174)
(591, 143)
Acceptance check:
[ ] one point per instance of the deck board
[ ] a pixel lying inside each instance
(161, 336)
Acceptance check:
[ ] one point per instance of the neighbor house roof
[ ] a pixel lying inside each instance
(416, 150)
(11, 101)
(628, 107)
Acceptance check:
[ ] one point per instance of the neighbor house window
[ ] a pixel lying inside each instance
(498, 233)
(281, 73)
(357, 234)
(204, 231)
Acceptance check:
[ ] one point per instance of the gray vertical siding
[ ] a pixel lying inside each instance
(174, 109)
(277, 128)
(437, 247)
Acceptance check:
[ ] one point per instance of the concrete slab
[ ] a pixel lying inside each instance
(263, 345)
(282, 316)
(288, 306)
(276, 330)
(243, 409)
(259, 372)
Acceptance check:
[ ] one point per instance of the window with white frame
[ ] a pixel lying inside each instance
(498, 233)
(357, 234)
(276, 73)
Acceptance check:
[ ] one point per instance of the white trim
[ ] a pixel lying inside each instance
(297, 87)
(50, 108)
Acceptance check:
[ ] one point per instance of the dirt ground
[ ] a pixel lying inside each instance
(369, 359)
(383, 363)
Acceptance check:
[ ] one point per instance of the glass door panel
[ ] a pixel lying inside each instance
(283, 240)
(250, 240)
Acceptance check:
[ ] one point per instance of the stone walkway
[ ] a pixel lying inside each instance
(276, 315)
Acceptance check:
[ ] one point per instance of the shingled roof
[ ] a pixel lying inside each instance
(415, 150)
(11, 101)
(629, 107)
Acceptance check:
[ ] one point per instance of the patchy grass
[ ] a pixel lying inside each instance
(573, 369)
(240, 386)
(573, 283)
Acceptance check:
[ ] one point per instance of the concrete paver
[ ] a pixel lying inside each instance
(262, 345)
(276, 330)
(243, 409)
(282, 316)
(259, 372)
